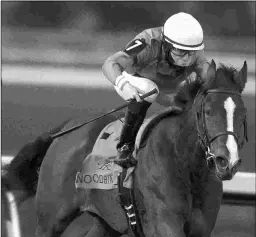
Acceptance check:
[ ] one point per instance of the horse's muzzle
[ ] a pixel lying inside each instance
(224, 170)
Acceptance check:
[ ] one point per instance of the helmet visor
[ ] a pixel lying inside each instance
(179, 57)
(169, 48)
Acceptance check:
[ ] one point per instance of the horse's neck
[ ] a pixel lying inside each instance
(188, 130)
(174, 136)
(186, 134)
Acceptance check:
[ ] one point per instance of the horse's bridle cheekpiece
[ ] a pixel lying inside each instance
(201, 129)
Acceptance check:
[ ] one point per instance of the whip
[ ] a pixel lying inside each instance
(99, 117)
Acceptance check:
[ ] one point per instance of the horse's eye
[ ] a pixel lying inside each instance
(208, 111)
(242, 118)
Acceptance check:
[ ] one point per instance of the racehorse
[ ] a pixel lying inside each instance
(177, 183)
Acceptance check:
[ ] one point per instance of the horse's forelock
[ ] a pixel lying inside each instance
(226, 77)
(228, 70)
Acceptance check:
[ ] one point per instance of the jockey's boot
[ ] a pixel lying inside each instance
(131, 126)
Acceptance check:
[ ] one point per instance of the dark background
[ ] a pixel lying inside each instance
(234, 18)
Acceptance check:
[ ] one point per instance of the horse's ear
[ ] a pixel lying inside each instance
(241, 77)
(211, 73)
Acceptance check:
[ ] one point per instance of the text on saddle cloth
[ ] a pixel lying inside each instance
(98, 169)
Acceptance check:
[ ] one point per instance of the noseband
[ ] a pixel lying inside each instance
(202, 132)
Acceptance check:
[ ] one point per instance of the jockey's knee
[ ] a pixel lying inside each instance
(139, 108)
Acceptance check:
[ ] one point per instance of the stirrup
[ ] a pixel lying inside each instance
(126, 162)
(125, 148)
(125, 158)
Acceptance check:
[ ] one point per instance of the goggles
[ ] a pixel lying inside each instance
(168, 47)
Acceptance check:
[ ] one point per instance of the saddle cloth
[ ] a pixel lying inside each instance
(98, 169)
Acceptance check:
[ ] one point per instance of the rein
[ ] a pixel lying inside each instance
(204, 136)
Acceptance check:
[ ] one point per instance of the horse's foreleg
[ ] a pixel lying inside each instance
(102, 229)
(54, 228)
(79, 224)
(97, 231)
(204, 216)
(212, 202)
(55, 214)
(80, 227)
(64, 219)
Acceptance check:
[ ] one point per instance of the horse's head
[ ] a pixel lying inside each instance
(220, 117)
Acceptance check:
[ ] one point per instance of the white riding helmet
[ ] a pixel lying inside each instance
(184, 32)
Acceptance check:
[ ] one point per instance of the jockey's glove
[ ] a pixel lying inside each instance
(126, 90)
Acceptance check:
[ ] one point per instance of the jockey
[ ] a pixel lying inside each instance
(160, 58)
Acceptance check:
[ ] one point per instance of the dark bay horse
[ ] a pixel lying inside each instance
(179, 174)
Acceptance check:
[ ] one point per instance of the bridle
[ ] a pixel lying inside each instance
(203, 135)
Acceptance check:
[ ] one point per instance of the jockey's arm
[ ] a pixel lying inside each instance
(124, 60)
(115, 65)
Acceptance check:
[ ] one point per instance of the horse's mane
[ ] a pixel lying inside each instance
(225, 79)
(229, 71)
(190, 86)
(229, 79)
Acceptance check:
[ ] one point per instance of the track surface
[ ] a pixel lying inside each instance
(34, 99)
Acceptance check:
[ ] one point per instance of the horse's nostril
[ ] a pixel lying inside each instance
(236, 166)
(238, 163)
(221, 161)
(234, 169)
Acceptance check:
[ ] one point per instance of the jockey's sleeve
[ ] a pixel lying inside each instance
(115, 65)
(136, 52)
